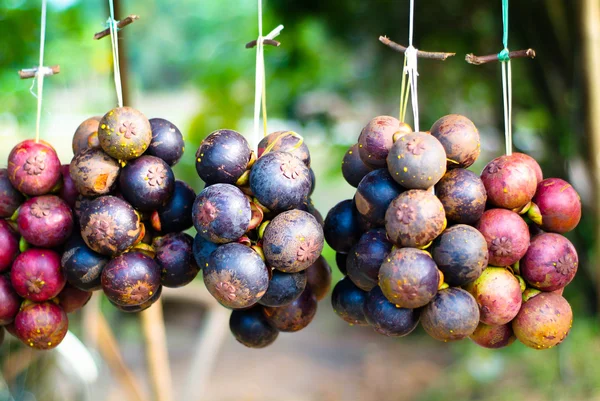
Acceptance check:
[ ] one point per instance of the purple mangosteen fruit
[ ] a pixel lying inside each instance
(37, 275)
(506, 234)
(33, 167)
(318, 276)
(498, 294)
(388, 319)
(9, 245)
(342, 228)
(236, 276)
(557, 206)
(294, 316)
(94, 172)
(493, 337)
(374, 194)
(353, 168)
(284, 288)
(124, 133)
(452, 315)
(223, 157)
(147, 183)
(376, 140)
(509, 181)
(41, 325)
(463, 195)
(221, 213)
(251, 328)
(550, 262)
(10, 302)
(175, 257)
(131, 279)
(167, 141)
(460, 139)
(417, 161)
(348, 302)
(176, 214)
(367, 256)
(293, 241)
(86, 135)
(415, 218)
(72, 299)
(285, 141)
(10, 198)
(45, 221)
(82, 266)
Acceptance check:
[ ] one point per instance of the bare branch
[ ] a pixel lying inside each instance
(490, 58)
(121, 24)
(31, 72)
(269, 42)
(420, 53)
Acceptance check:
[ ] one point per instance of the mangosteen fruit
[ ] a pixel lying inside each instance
(388, 319)
(251, 328)
(33, 167)
(124, 133)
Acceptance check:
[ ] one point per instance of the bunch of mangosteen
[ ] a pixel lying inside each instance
(112, 220)
(259, 238)
(426, 240)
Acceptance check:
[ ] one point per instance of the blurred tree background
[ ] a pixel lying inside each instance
(186, 62)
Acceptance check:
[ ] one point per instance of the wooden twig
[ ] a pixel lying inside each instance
(153, 327)
(31, 72)
(490, 58)
(109, 349)
(420, 53)
(270, 42)
(121, 24)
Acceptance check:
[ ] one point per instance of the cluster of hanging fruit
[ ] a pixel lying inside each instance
(426, 240)
(259, 238)
(112, 220)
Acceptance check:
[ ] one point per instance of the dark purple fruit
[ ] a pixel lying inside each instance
(460, 139)
(251, 328)
(72, 299)
(10, 198)
(82, 266)
(131, 279)
(543, 321)
(94, 172)
(222, 157)
(353, 168)
(452, 315)
(319, 278)
(139, 308)
(110, 226)
(285, 141)
(236, 276)
(280, 181)
(41, 326)
(461, 253)
(348, 302)
(202, 250)
(167, 141)
(45, 221)
(86, 135)
(342, 229)
(409, 278)
(293, 241)
(417, 161)
(463, 195)
(550, 262)
(294, 316)
(284, 288)
(509, 181)
(124, 133)
(387, 318)
(376, 140)
(147, 183)
(176, 215)
(9, 301)
(175, 257)
(506, 234)
(367, 256)
(2, 335)
(340, 261)
(221, 213)
(68, 191)
(36, 275)
(415, 218)
(9, 245)
(493, 336)
(557, 206)
(33, 167)
(498, 294)
(374, 194)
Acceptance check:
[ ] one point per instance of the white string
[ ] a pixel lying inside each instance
(411, 68)
(41, 71)
(507, 98)
(114, 39)
(260, 72)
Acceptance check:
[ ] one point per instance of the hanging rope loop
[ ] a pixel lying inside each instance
(410, 68)
(41, 73)
(260, 92)
(504, 58)
(112, 24)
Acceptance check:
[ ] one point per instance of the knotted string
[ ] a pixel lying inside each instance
(504, 58)
(114, 39)
(260, 92)
(410, 68)
(40, 73)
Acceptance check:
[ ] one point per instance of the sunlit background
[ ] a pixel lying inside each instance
(185, 61)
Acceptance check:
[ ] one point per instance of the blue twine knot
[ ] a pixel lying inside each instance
(504, 55)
